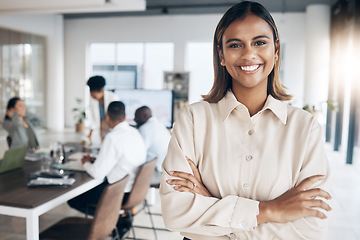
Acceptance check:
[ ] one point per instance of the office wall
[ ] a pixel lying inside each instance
(50, 26)
(179, 29)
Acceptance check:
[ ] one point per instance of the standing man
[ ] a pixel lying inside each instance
(99, 101)
(122, 152)
(156, 136)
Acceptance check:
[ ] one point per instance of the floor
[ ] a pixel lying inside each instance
(344, 220)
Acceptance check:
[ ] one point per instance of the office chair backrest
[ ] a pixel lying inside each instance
(9, 141)
(141, 185)
(107, 210)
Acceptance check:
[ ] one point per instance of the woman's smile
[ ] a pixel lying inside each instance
(250, 68)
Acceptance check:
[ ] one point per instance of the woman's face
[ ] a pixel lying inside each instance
(20, 108)
(97, 95)
(248, 53)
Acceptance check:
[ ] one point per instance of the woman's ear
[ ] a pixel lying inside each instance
(221, 56)
(277, 47)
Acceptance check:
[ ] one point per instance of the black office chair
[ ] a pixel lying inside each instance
(9, 141)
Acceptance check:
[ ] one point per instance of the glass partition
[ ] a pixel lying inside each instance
(22, 72)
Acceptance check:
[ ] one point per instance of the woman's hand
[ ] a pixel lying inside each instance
(296, 203)
(9, 112)
(188, 182)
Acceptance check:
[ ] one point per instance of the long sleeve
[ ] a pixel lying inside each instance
(121, 153)
(186, 212)
(18, 133)
(11, 124)
(105, 161)
(315, 163)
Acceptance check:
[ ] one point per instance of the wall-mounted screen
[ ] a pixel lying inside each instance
(159, 101)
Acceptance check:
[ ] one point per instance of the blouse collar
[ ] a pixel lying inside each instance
(229, 102)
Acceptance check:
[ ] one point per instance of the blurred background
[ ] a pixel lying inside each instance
(49, 48)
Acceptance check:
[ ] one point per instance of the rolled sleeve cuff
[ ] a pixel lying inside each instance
(245, 212)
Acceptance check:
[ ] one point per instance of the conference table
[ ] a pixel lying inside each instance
(16, 199)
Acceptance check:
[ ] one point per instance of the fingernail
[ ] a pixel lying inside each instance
(176, 187)
(171, 172)
(168, 181)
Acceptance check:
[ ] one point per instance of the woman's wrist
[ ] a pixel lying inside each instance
(265, 213)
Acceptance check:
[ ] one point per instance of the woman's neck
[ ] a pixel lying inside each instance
(254, 100)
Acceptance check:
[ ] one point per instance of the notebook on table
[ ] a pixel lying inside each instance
(13, 159)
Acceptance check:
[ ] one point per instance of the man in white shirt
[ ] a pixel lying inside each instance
(122, 152)
(156, 136)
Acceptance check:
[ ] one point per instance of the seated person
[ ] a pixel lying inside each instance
(20, 130)
(156, 136)
(122, 152)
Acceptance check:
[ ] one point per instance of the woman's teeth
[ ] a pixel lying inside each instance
(249, 68)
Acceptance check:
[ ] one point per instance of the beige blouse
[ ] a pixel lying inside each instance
(242, 160)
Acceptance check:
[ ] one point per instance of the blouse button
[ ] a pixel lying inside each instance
(246, 186)
(242, 225)
(233, 236)
(251, 132)
(249, 157)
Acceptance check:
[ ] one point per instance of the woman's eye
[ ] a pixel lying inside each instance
(234, 45)
(260, 43)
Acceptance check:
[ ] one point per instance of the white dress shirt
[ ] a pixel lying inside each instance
(156, 137)
(242, 160)
(94, 116)
(122, 152)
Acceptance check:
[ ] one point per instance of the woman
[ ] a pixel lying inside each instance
(242, 164)
(21, 132)
(99, 101)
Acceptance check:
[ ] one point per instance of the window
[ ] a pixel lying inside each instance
(132, 65)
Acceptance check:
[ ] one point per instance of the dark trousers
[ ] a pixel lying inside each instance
(91, 197)
(186, 238)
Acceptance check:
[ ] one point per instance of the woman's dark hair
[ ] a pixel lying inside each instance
(222, 79)
(116, 111)
(96, 83)
(11, 104)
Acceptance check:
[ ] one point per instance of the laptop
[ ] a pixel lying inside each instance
(13, 159)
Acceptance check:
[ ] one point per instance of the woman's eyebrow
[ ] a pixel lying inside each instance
(233, 40)
(261, 36)
(238, 40)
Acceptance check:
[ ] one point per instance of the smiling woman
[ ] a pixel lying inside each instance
(243, 163)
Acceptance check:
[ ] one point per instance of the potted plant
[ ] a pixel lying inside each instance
(79, 116)
(332, 105)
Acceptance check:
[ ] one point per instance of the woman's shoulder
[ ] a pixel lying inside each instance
(199, 108)
(296, 114)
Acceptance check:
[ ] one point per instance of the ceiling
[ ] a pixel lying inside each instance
(107, 8)
(69, 6)
(161, 7)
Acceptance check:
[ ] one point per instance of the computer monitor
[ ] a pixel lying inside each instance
(159, 101)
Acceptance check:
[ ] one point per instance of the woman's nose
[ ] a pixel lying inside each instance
(248, 53)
